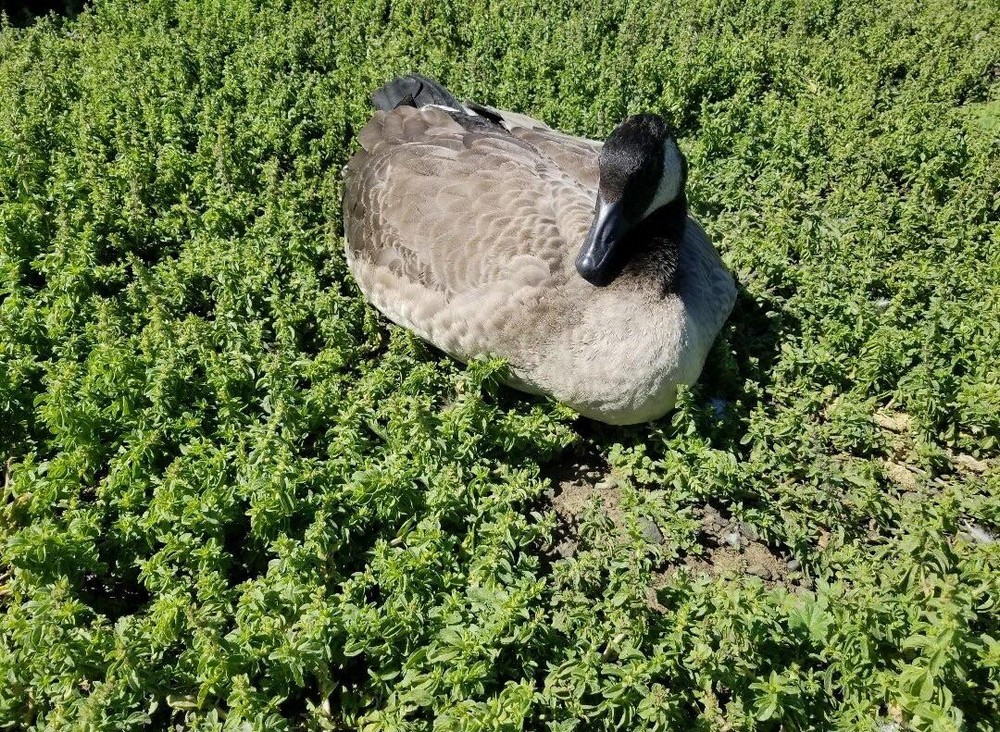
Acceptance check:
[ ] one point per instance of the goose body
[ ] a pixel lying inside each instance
(465, 226)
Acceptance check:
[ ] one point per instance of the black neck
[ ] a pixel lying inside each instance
(667, 221)
(657, 240)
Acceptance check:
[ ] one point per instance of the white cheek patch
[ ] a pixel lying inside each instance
(670, 180)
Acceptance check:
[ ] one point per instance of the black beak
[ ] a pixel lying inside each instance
(597, 261)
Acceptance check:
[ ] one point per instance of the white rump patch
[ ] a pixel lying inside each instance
(464, 109)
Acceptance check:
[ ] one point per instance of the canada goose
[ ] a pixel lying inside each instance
(486, 232)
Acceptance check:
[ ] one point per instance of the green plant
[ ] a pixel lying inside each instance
(236, 499)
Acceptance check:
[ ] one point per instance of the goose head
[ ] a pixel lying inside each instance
(642, 174)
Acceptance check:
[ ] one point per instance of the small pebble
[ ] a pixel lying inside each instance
(759, 570)
(650, 530)
(794, 565)
(748, 531)
(978, 533)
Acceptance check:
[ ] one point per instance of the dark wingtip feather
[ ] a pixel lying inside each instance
(413, 90)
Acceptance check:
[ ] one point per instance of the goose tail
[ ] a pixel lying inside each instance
(414, 90)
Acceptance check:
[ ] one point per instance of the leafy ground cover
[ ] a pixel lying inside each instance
(234, 498)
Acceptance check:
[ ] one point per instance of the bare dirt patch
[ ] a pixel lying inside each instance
(729, 547)
(901, 475)
(576, 485)
(734, 547)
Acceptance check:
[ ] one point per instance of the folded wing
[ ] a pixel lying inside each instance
(451, 221)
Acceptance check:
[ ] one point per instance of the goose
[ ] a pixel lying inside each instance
(489, 234)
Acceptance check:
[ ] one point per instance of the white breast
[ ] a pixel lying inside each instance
(627, 350)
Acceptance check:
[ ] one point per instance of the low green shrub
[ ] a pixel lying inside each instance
(235, 499)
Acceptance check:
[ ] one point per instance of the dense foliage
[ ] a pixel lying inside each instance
(236, 499)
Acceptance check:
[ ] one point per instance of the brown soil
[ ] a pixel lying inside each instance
(732, 546)
(729, 547)
(576, 485)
